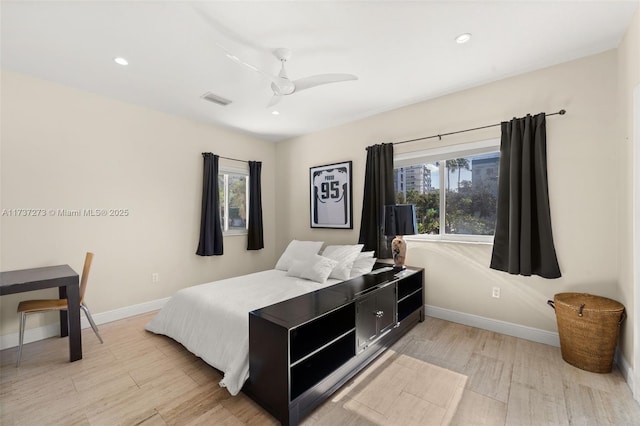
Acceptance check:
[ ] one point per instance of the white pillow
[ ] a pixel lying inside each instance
(315, 269)
(363, 264)
(298, 250)
(345, 255)
(365, 254)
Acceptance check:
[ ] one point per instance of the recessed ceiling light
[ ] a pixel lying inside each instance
(121, 61)
(463, 38)
(275, 112)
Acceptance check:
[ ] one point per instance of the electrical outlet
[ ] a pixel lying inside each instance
(496, 292)
(155, 277)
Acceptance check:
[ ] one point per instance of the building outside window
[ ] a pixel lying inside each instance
(454, 189)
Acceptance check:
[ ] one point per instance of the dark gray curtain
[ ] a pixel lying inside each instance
(255, 240)
(378, 192)
(523, 242)
(210, 230)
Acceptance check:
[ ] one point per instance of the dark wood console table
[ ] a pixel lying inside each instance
(303, 349)
(61, 276)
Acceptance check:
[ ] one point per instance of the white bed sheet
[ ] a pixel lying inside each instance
(212, 320)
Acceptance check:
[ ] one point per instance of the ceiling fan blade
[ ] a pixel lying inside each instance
(274, 100)
(317, 80)
(274, 78)
(213, 24)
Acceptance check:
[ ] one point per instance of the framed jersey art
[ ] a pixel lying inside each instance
(331, 205)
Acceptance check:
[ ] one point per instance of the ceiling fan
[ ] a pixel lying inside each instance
(283, 86)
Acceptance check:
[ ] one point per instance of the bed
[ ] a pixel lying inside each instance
(212, 320)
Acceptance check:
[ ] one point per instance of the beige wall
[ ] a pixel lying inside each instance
(584, 191)
(67, 149)
(629, 79)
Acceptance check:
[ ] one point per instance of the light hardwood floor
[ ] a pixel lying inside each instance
(439, 373)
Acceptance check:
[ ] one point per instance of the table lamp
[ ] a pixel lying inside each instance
(400, 220)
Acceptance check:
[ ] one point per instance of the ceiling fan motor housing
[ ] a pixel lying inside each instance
(282, 53)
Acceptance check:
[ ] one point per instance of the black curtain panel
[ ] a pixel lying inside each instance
(255, 240)
(378, 192)
(523, 242)
(210, 230)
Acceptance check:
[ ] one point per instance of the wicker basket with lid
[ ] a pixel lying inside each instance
(588, 327)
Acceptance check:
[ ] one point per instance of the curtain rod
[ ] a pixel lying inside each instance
(226, 158)
(561, 112)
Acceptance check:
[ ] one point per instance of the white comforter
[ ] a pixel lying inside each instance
(212, 320)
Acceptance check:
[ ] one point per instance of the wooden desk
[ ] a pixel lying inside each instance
(61, 276)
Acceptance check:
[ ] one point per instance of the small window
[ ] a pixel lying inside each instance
(234, 201)
(455, 190)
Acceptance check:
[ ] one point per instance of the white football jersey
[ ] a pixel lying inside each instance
(329, 189)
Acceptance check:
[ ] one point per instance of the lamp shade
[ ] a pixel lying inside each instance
(400, 220)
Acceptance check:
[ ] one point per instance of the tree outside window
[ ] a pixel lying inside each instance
(453, 196)
(233, 189)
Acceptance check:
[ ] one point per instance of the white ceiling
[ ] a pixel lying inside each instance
(402, 52)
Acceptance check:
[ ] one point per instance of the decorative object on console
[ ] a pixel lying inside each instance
(400, 220)
(330, 189)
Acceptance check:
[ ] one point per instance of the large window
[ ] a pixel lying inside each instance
(234, 201)
(454, 189)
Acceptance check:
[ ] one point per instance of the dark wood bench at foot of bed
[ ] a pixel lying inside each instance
(303, 349)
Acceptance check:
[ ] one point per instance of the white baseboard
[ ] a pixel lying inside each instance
(126, 312)
(503, 327)
(625, 369)
(52, 330)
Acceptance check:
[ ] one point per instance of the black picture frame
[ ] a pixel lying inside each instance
(330, 189)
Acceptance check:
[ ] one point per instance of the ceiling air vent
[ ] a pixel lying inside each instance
(215, 99)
